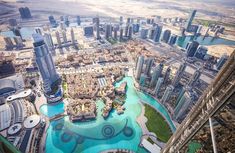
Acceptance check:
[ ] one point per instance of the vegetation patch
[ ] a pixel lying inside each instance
(157, 124)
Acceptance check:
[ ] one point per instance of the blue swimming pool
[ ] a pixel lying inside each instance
(117, 131)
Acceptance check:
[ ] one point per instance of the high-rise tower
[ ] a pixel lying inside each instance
(210, 105)
(50, 79)
(156, 74)
(139, 67)
(190, 19)
(178, 74)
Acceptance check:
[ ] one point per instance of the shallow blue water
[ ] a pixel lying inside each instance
(52, 110)
(117, 131)
(182, 41)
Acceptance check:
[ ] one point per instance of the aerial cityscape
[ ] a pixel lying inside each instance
(117, 76)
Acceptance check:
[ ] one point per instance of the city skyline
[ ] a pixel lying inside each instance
(117, 76)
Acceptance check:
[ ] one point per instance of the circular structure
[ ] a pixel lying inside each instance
(15, 128)
(32, 121)
(59, 126)
(66, 137)
(108, 131)
(128, 132)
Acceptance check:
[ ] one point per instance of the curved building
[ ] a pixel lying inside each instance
(51, 80)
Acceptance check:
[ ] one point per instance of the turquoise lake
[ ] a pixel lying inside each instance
(117, 131)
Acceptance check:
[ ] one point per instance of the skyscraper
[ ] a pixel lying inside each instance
(179, 74)
(115, 29)
(142, 80)
(78, 21)
(148, 66)
(88, 31)
(143, 33)
(128, 20)
(48, 40)
(151, 33)
(158, 86)
(97, 24)
(172, 40)
(221, 61)
(25, 12)
(167, 94)
(201, 52)
(156, 74)
(38, 30)
(64, 37)
(130, 31)
(139, 66)
(210, 105)
(108, 31)
(50, 78)
(157, 33)
(190, 19)
(52, 21)
(8, 43)
(57, 34)
(136, 28)
(166, 36)
(194, 78)
(167, 75)
(121, 35)
(181, 93)
(126, 30)
(183, 104)
(192, 48)
(72, 36)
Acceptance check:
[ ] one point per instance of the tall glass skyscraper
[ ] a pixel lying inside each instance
(190, 19)
(51, 80)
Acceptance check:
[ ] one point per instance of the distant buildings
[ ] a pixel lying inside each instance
(179, 74)
(167, 94)
(50, 79)
(148, 66)
(143, 33)
(52, 21)
(88, 31)
(121, 35)
(57, 34)
(8, 43)
(72, 36)
(172, 40)
(25, 12)
(157, 33)
(158, 86)
(143, 79)
(11, 84)
(194, 78)
(192, 48)
(130, 31)
(136, 28)
(183, 105)
(167, 75)
(156, 74)
(139, 66)
(48, 41)
(221, 61)
(190, 19)
(108, 31)
(201, 52)
(12, 22)
(166, 36)
(78, 21)
(97, 25)
(64, 37)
